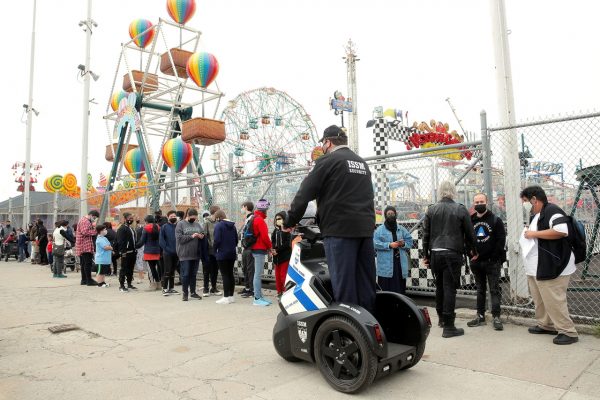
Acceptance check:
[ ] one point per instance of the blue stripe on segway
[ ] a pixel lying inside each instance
(302, 297)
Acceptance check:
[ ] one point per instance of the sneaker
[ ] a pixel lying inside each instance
(267, 300)
(61, 276)
(205, 293)
(261, 302)
(497, 324)
(231, 299)
(131, 287)
(223, 300)
(165, 292)
(248, 294)
(184, 297)
(103, 284)
(536, 330)
(564, 339)
(196, 296)
(478, 321)
(244, 290)
(215, 292)
(54, 276)
(123, 289)
(173, 291)
(92, 283)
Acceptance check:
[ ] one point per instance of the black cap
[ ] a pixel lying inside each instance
(333, 131)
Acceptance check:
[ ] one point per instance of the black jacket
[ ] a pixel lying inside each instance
(447, 225)
(111, 235)
(341, 184)
(554, 255)
(282, 243)
(490, 237)
(125, 240)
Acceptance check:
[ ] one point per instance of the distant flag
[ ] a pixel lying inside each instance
(399, 115)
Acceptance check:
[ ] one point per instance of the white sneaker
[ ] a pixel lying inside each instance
(223, 300)
(231, 299)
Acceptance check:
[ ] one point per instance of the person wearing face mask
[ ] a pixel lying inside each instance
(126, 242)
(392, 244)
(247, 212)
(191, 247)
(168, 244)
(84, 239)
(103, 255)
(490, 239)
(282, 251)
(549, 266)
(341, 183)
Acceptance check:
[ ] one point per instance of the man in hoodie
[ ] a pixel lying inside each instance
(225, 246)
(210, 269)
(168, 244)
(191, 248)
(260, 248)
(126, 242)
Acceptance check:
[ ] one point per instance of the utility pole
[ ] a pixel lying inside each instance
(351, 80)
(86, 109)
(29, 109)
(510, 148)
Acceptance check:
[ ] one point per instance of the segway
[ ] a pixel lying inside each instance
(351, 346)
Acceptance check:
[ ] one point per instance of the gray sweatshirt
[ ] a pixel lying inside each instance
(187, 246)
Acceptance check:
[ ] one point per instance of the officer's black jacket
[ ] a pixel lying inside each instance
(341, 184)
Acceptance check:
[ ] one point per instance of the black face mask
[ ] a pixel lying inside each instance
(480, 208)
(129, 221)
(390, 218)
(192, 220)
(172, 220)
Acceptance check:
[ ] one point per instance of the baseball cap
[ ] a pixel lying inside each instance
(333, 131)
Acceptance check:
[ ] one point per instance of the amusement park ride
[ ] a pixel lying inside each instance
(19, 174)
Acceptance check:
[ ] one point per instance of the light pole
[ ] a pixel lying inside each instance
(86, 73)
(29, 109)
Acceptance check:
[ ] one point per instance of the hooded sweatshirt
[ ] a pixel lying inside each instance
(225, 241)
(188, 248)
(260, 230)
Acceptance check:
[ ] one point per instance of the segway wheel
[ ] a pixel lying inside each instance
(344, 356)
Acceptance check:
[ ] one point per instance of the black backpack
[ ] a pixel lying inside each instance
(248, 237)
(576, 236)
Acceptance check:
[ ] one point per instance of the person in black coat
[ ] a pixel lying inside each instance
(42, 238)
(126, 241)
(282, 251)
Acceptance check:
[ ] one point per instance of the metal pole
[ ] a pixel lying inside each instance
(510, 151)
(173, 189)
(351, 80)
(55, 207)
(487, 159)
(83, 209)
(230, 186)
(26, 200)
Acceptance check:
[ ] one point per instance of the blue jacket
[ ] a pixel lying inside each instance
(167, 240)
(225, 241)
(382, 239)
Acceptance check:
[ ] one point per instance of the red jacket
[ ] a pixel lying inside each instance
(259, 228)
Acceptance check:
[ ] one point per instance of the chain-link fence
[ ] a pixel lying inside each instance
(561, 155)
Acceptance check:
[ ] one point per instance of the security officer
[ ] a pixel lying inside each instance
(341, 184)
(447, 233)
(490, 240)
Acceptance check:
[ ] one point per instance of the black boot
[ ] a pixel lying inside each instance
(449, 329)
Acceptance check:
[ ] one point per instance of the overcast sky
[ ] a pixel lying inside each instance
(413, 55)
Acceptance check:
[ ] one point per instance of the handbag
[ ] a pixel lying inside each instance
(58, 250)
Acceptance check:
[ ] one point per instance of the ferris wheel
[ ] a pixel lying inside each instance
(266, 131)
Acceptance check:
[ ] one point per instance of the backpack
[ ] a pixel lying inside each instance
(576, 237)
(248, 237)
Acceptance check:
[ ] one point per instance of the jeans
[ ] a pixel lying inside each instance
(445, 266)
(170, 264)
(22, 253)
(351, 263)
(58, 265)
(226, 268)
(210, 271)
(248, 268)
(259, 265)
(87, 262)
(189, 270)
(490, 271)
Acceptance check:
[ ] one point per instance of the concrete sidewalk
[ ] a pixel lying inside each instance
(144, 346)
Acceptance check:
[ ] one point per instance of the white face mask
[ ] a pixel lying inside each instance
(527, 207)
(243, 211)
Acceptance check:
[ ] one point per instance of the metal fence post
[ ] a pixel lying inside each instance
(230, 186)
(55, 208)
(487, 158)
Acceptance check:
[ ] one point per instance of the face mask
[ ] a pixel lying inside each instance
(480, 208)
(192, 220)
(243, 211)
(527, 207)
(279, 222)
(390, 218)
(172, 220)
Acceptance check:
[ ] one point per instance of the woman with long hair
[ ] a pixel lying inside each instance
(150, 241)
